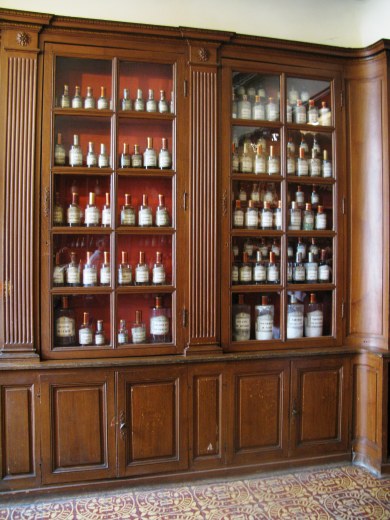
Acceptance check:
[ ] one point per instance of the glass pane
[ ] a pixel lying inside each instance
(256, 96)
(309, 314)
(308, 102)
(309, 154)
(255, 316)
(256, 150)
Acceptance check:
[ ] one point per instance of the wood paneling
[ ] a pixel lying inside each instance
(78, 426)
(152, 424)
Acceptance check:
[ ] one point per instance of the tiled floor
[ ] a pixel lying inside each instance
(346, 492)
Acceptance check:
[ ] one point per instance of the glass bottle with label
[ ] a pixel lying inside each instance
(125, 156)
(290, 163)
(272, 110)
(275, 248)
(65, 325)
(245, 270)
(264, 319)
(59, 152)
(125, 274)
(300, 113)
(320, 221)
(91, 158)
(85, 332)
(73, 272)
(136, 158)
(293, 95)
(244, 108)
(301, 248)
(259, 270)
(242, 194)
(164, 157)
(163, 106)
(92, 213)
(139, 103)
(251, 216)
(89, 101)
(302, 166)
(103, 161)
(238, 216)
(315, 164)
(308, 218)
(324, 269)
(266, 216)
(89, 272)
(314, 319)
(75, 154)
(300, 197)
(106, 212)
(58, 211)
(325, 115)
(158, 271)
(278, 217)
(316, 146)
(260, 161)
(241, 320)
(235, 159)
(105, 270)
(77, 101)
(314, 249)
(299, 273)
(150, 156)
(294, 318)
(65, 98)
(311, 268)
(127, 212)
(290, 264)
(312, 113)
(141, 271)
(326, 166)
(123, 333)
(162, 215)
(272, 269)
(249, 247)
(138, 329)
(246, 163)
(58, 272)
(145, 217)
(100, 338)
(255, 194)
(126, 103)
(273, 165)
(73, 214)
(314, 198)
(304, 145)
(159, 322)
(295, 217)
(102, 102)
(151, 105)
(258, 109)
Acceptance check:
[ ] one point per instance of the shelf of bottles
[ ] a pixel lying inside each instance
(113, 212)
(282, 212)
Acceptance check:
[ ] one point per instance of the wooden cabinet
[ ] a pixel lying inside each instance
(78, 426)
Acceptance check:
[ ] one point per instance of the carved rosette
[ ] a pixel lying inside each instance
(203, 54)
(23, 39)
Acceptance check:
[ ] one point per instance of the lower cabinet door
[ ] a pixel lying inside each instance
(19, 434)
(259, 395)
(319, 406)
(78, 426)
(152, 416)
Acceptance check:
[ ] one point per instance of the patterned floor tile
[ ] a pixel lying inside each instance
(355, 503)
(172, 503)
(276, 488)
(224, 494)
(42, 511)
(299, 508)
(107, 507)
(249, 512)
(326, 481)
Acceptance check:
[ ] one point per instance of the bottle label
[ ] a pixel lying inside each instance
(303, 167)
(234, 274)
(85, 336)
(315, 199)
(255, 196)
(259, 273)
(145, 217)
(300, 198)
(162, 217)
(311, 272)
(321, 221)
(243, 321)
(105, 275)
(245, 274)
(245, 111)
(74, 215)
(308, 222)
(314, 249)
(73, 275)
(127, 217)
(89, 276)
(125, 276)
(327, 169)
(260, 165)
(301, 248)
(142, 274)
(138, 334)
(139, 105)
(58, 275)
(259, 111)
(313, 117)
(299, 273)
(99, 339)
(164, 159)
(324, 273)
(92, 216)
(264, 325)
(77, 102)
(136, 161)
(251, 219)
(235, 163)
(106, 217)
(163, 107)
(272, 273)
(300, 116)
(65, 101)
(102, 104)
(272, 112)
(315, 168)
(294, 324)
(295, 219)
(275, 249)
(273, 165)
(75, 156)
(159, 274)
(58, 215)
(278, 219)
(314, 324)
(89, 102)
(290, 166)
(91, 160)
(125, 161)
(266, 219)
(122, 338)
(246, 164)
(150, 159)
(59, 155)
(65, 327)
(242, 196)
(159, 325)
(238, 218)
(248, 248)
(103, 161)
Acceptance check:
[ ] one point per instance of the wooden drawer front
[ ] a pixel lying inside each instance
(78, 439)
(151, 422)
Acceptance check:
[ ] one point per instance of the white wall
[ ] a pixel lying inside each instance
(348, 23)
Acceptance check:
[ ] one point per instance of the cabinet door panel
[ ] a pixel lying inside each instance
(260, 411)
(319, 409)
(78, 438)
(152, 430)
(207, 402)
(18, 431)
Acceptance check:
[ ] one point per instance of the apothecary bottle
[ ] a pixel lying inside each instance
(65, 98)
(303, 166)
(89, 272)
(85, 332)
(73, 271)
(260, 161)
(125, 156)
(324, 274)
(295, 217)
(77, 100)
(136, 158)
(241, 320)
(273, 275)
(235, 159)
(73, 214)
(141, 271)
(89, 101)
(246, 163)
(164, 157)
(159, 322)
(102, 102)
(100, 338)
(58, 211)
(65, 325)
(123, 333)
(298, 273)
(272, 110)
(59, 152)
(162, 215)
(314, 319)
(311, 269)
(312, 113)
(127, 212)
(58, 272)
(106, 212)
(266, 216)
(244, 108)
(326, 165)
(151, 105)
(158, 271)
(294, 318)
(278, 216)
(103, 161)
(245, 270)
(139, 103)
(308, 217)
(238, 216)
(126, 103)
(75, 153)
(163, 106)
(300, 113)
(145, 217)
(264, 319)
(315, 164)
(150, 156)
(258, 109)
(92, 213)
(325, 115)
(91, 158)
(138, 329)
(320, 218)
(273, 165)
(105, 270)
(259, 270)
(125, 274)
(251, 216)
